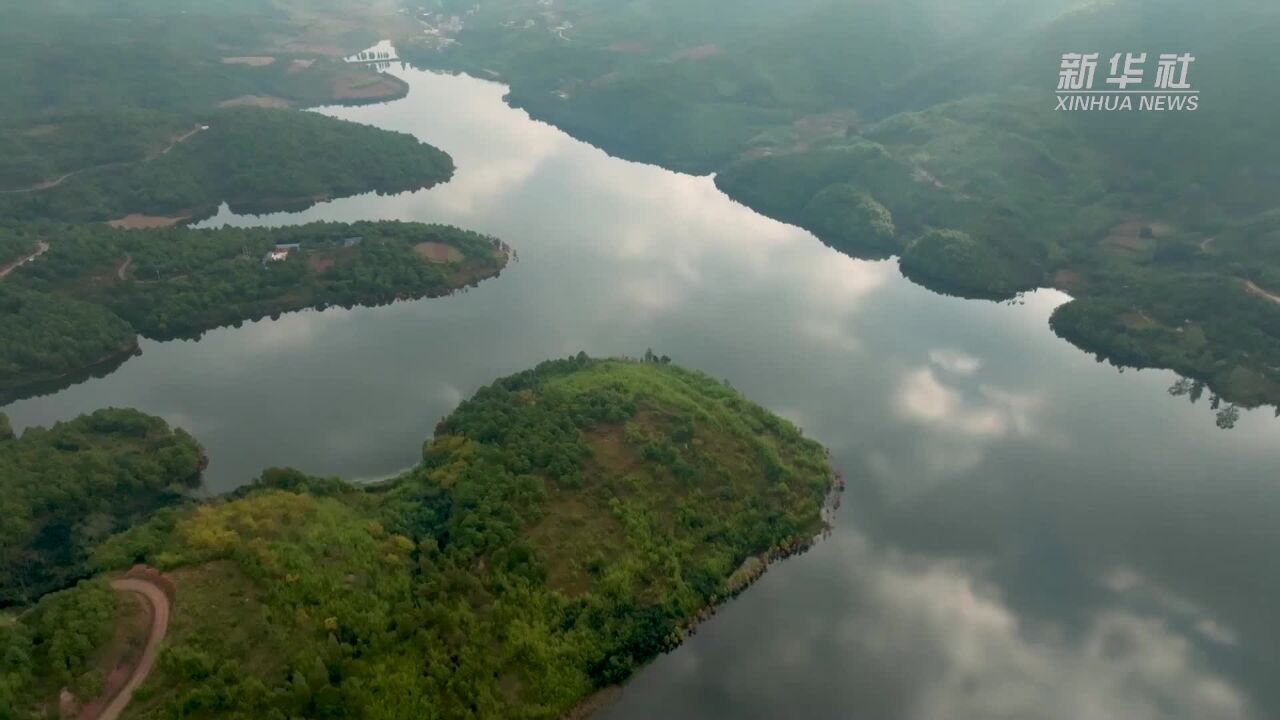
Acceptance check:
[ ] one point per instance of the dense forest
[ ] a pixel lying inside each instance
(565, 524)
(66, 488)
(84, 300)
(181, 56)
(17, 241)
(32, 155)
(251, 158)
(44, 336)
(119, 131)
(927, 130)
(52, 646)
(152, 122)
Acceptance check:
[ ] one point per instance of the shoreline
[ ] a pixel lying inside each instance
(748, 573)
(23, 388)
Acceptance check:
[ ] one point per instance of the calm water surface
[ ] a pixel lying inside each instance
(1027, 534)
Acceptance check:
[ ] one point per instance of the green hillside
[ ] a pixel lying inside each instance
(563, 526)
(66, 488)
(878, 126)
(82, 302)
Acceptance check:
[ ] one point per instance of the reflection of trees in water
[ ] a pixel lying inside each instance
(55, 385)
(379, 60)
(1193, 390)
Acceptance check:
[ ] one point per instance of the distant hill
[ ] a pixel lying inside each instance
(943, 114)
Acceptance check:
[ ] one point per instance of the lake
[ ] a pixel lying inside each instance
(1026, 534)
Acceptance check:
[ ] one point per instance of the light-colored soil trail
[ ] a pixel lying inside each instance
(159, 602)
(48, 184)
(1253, 288)
(178, 141)
(41, 248)
(45, 185)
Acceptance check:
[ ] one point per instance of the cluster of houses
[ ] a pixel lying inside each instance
(281, 250)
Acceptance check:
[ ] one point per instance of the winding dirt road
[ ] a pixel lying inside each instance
(159, 603)
(41, 248)
(49, 184)
(1260, 292)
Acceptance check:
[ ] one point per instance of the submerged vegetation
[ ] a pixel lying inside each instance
(927, 130)
(563, 526)
(83, 301)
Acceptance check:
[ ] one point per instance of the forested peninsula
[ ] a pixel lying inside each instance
(564, 526)
(255, 160)
(166, 109)
(85, 299)
(1164, 226)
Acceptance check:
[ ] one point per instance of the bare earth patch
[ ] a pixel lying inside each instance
(700, 52)
(438, 252)
(251, 60)
(1069, 280)
(1128, 235)
(136, 221)
(262, 101)
(359, 85)
(313, 48)
(298, 66)
(1138, 320)
(320, 263)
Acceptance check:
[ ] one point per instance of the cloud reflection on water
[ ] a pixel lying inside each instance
(960, 424)
(936, 641)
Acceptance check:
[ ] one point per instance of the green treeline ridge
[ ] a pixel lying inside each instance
(83, 301)
(101, 101)
(563, 526)
(253, 159)
(928, 131)
(66, 488)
